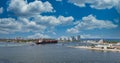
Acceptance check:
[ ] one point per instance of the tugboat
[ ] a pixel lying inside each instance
(46, 41)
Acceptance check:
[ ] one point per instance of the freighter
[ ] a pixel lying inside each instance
(46, 41)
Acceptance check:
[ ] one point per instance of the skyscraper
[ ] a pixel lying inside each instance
(78, 37)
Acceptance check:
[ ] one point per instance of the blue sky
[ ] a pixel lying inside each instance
(59, 18)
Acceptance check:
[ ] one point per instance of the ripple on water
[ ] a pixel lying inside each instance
(5, 61)
(11, 44)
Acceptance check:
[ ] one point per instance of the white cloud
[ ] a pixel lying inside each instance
(25, 11)
(65, 20)
(118, 7)
(90, 22)
(72, 30)
(9, 25)
(89, 36)
(52, 20)
(1, 10)
(51, 31)
(28, 25)
(103, 4)
(99, 36)
(39, 35)
(37, 24)
(97, 4)
(23, 8)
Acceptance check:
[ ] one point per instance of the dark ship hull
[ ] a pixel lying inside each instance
(46, 41)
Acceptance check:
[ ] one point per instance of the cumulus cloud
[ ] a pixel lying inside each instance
(28, 25)
(48, 23)
(23, 8)
(52, 20)
(72, 30)
(39, 35)
(37, 24)
(9, 25)
(90, 22)
(1, 10)
(97, 4)
(89, 36)
(30, 18)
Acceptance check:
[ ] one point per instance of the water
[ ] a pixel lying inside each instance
(53, 53)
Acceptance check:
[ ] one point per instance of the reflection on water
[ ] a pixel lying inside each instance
(54, 53)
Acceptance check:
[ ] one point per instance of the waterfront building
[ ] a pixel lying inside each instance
(59, 39)
(73, 38)
(62, 38)
(78, 38)
(70, 39)
(66, 38)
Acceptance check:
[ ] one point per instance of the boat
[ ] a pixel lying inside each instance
(46, 41)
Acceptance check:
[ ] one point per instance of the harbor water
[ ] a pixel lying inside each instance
(53, 53)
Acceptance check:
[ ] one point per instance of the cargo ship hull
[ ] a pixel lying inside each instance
(46, 42)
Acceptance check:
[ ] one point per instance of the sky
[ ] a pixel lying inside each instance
(59, 18)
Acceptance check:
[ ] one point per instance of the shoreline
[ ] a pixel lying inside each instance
(90, 48)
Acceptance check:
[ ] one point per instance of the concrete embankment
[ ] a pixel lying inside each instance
(94, 48)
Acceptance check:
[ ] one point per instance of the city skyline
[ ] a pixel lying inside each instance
(60, 18)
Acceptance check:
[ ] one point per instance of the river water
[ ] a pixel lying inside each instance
(53, 53)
